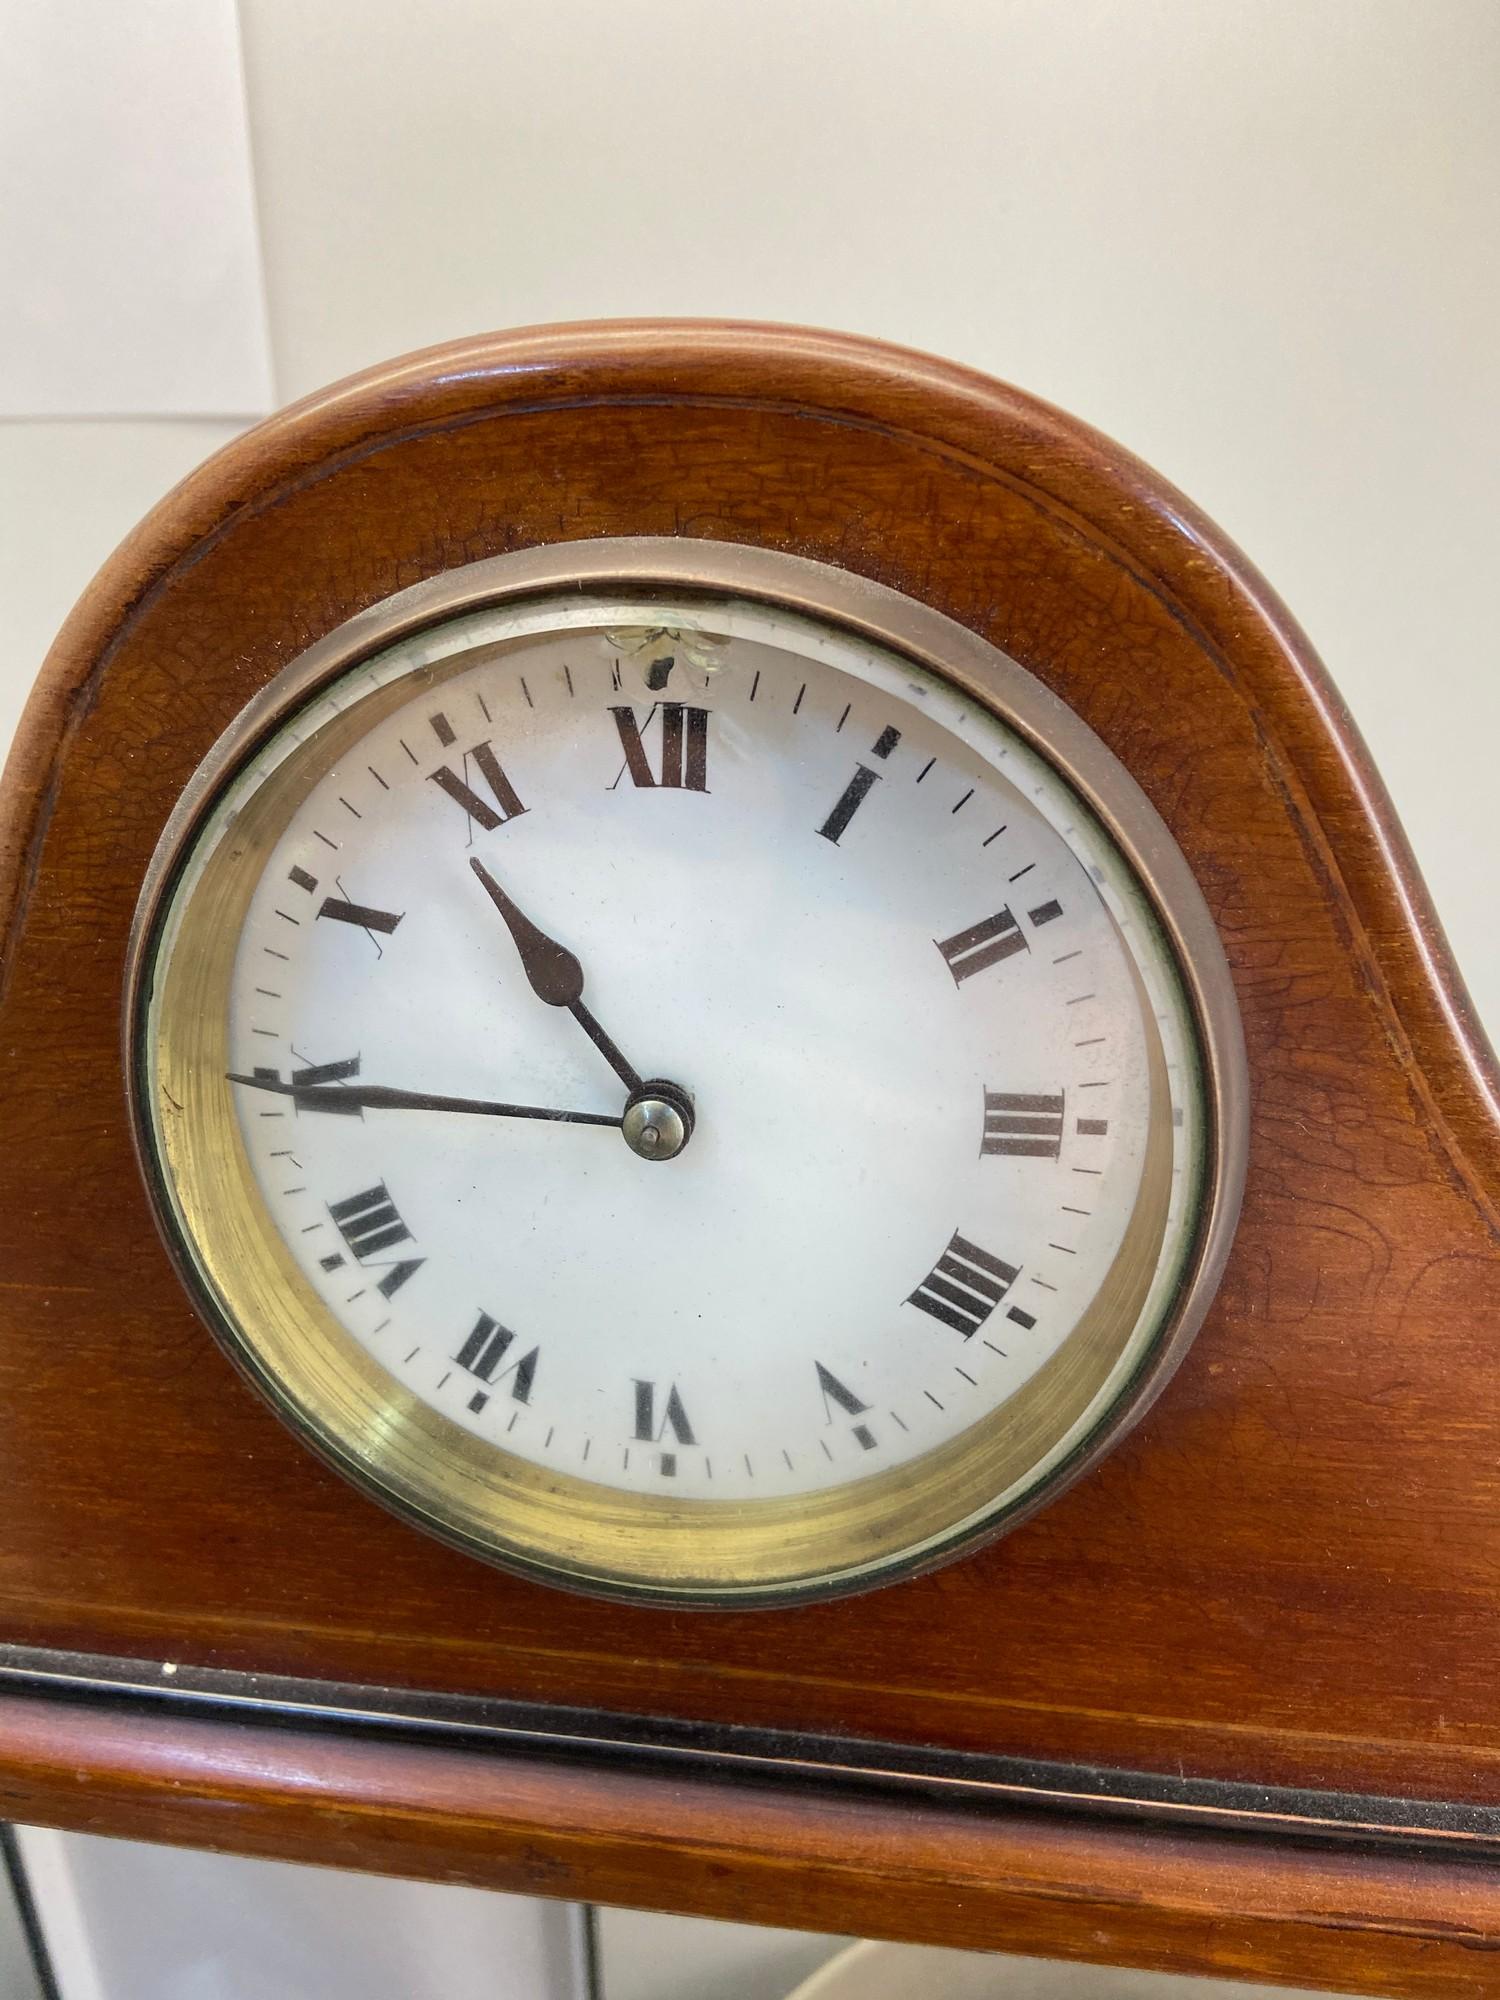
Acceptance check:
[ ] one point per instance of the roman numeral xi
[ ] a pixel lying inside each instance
(507, 804)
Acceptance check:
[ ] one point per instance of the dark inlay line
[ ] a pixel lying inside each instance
(795, 706)
(836, 728)
(964, 800)
(568, 677)
(526, 691)
(755, 683)
(925, 769)
(325, 840)
(1023, 871)
(377, 777)
(407, 748)
(484, 707)
(290, 919)
(994, 836)
(354, 809)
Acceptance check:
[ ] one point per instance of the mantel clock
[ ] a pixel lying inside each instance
(757, 990)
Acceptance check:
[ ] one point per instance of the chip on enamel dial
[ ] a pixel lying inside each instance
(688, 1074)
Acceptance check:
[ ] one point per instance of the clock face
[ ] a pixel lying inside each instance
(673, 1091)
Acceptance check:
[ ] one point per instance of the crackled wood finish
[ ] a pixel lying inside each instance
(1290, 1574)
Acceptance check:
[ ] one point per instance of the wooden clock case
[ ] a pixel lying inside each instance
(1229, 1704)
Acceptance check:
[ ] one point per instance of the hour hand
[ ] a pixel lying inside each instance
(325, 1088)
(554, 974)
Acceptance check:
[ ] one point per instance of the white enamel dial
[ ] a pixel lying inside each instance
(905, 989)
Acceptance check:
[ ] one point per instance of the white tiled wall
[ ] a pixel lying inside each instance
(1259, 243)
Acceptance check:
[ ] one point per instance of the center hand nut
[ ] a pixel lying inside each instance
(658, 1121)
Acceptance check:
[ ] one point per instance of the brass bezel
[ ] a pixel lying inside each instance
(492, 1502)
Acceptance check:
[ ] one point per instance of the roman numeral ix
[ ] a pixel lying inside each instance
(965, 1286)
(684, 747)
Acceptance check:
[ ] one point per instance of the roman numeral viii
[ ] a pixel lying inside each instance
(1023, 1124)
(507, 805)
(483, 1355)
(965, 1286)
(369, 1223)
(684, 747)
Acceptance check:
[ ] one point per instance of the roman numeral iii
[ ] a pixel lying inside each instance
(965, 1286)
(982, 945)
(507, 805)
(684, 747)
(1024, 1124)
(483, 1355)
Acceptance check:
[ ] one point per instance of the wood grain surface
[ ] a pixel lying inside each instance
(1289, 1575)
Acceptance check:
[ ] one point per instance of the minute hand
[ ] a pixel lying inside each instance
(554, 974)
(357, 1097)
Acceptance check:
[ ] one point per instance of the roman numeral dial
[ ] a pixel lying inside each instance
(699, 1156)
